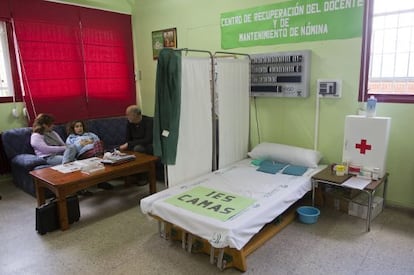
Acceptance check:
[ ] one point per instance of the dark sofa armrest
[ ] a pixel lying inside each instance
(28, 161)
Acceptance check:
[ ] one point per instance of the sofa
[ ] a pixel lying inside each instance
(22, 159)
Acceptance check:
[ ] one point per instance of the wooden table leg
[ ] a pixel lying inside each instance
(63, 213)
(40, 193)
(152, 178)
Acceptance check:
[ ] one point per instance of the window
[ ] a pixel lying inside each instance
(6, 80)
(387, 69)
(74, 62)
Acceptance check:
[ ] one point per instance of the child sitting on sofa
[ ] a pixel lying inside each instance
(87, 144)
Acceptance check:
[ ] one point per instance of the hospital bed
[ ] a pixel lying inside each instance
(231, 212)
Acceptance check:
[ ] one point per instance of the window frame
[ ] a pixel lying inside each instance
(18, 97)
(365, 62)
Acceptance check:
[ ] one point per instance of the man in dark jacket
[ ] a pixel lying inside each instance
(139, 137)
(139, 131)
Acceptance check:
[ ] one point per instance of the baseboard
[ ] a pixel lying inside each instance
(399, 207)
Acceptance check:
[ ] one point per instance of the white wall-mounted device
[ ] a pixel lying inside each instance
(330, 88)
(281, 74)
(15, 113)
(24, 112)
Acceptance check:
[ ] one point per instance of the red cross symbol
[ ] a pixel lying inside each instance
(363, 146)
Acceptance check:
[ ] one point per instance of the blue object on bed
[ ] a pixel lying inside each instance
(256, 162)
(295, 170)
(271, 167)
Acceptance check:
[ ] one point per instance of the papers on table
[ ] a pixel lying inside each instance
(66, 168)
(77, 165)
(356, 183)
(94, 164)
(117, 158)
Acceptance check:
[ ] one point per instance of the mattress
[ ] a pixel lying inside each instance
(256, 198)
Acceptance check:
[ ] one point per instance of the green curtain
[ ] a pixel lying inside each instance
(167, 105)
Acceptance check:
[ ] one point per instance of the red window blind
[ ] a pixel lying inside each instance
(109, 68)
(4, 9)
(76, 62)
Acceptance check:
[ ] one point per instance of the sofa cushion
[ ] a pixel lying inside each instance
(17, 141)
(61, 130)
(29, 161)
(112, 131)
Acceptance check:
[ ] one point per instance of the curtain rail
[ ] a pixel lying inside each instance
(232, 53)
(194, 50)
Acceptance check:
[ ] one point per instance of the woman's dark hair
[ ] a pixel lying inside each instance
(40, 121)
(70, 129)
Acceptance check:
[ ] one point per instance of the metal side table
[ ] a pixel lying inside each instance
(326, 176)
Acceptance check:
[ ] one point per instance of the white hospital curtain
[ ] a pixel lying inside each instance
(233, 91)
(194, 148)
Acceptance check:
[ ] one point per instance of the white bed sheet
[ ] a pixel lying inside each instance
(274, 193)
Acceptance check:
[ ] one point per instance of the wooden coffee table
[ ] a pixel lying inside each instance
(63, 185)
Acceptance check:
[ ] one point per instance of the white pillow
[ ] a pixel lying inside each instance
(286, 154)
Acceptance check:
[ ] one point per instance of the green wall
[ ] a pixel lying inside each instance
(289, 121)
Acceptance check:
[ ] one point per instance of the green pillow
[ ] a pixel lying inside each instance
(271, 167)
(295, 170)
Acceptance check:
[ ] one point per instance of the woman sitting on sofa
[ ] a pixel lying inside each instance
(47, 144)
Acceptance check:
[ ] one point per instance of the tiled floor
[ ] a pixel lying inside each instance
(114, 237)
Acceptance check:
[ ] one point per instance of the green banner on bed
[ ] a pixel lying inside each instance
(211, 203)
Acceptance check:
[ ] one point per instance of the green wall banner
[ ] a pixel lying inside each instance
(211, 203)
(292, 22)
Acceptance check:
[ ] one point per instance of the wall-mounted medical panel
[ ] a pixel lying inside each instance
(280, 74)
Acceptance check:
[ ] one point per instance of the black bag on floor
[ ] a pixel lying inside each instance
(47, 218)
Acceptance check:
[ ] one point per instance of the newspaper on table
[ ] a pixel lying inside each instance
(86, 165)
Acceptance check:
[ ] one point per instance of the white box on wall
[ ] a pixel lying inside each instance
(366, 142)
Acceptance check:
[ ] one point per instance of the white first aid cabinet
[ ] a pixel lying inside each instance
(366, 142)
